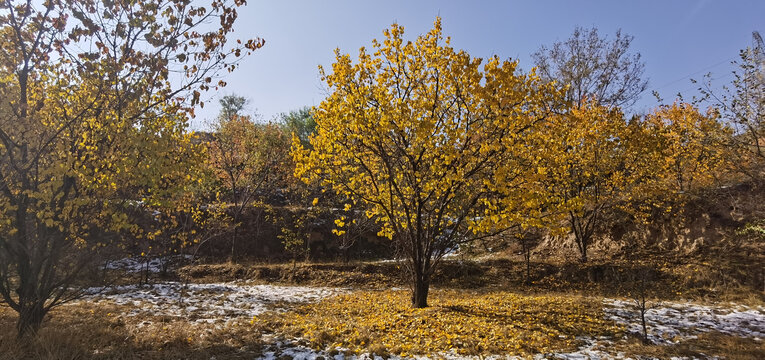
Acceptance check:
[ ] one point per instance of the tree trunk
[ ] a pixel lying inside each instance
(645, 328)
(583, 242)
(527, 255)
(421, 288)
(582, 234)
(30, 319)
(233, 243)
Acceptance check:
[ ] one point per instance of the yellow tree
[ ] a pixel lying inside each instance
(595, 162)
(433, 142)
(94, 102)
(602, 162)
(693, 153)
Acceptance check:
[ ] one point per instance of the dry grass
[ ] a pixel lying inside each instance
(380, 322)
(707, 345)
(89, 331)
(357, 275)
(478, 316)
(465, 322)
(675, 278)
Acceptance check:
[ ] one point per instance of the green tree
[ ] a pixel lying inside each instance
(300, 123)
(232, 106)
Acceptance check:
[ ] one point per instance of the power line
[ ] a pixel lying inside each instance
(724, 76)
(694, 73)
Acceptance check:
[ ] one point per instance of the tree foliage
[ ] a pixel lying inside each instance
(300, 123)
(430, 140)
(599, 162)
(694, 149)
(95, 98)
(590, 167)
(249, 161)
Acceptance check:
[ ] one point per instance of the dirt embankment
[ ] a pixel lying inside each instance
(678, 278)
(708, 222)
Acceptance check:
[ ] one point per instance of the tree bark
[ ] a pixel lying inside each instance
(30, 318)
(583, 250)
(527, 256)
(421, 288)
(233, 243)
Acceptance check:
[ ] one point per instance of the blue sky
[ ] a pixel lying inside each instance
(678, 40)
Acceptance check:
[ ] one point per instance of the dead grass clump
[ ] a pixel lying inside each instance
(468, 323)
(363, 275)
(705, 346)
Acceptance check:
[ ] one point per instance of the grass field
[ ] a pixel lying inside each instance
(478, 309)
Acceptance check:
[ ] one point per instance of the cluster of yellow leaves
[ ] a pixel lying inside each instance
(597, 159)
(458, 321)
(587, 164)
(421, 134)
(693, 146)
(106, 155)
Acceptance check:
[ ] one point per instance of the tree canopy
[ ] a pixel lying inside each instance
(429, 140)
(95, 100)
(594, 67)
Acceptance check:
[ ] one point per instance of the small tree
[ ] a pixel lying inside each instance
(352, 225)
(743, 105)
(295, 234)
(640, 281)
(593, 166)
(300, 123)
(528, 239)
(435, 145)
(247, 158)
(594, 67)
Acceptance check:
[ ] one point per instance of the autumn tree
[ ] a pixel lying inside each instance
(95, 98)
(592, 167)
(693, 148)
(691, 159)
(247, 159)
(431, 141)
(603, 163)
(594, 67)
(742, 103)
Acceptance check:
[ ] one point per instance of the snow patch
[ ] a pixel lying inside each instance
(297, 351)
(138, 264)
(208, 303)
(669, 323)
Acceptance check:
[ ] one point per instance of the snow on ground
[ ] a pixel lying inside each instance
(670, 322)
(296, 351)
(216, 302)
(137, 264)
